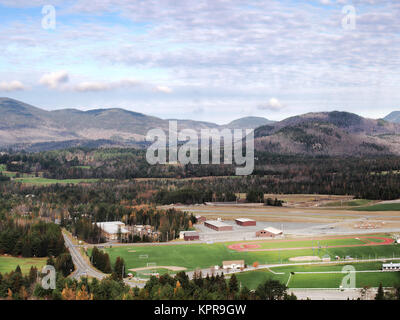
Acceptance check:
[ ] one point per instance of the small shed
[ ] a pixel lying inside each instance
(269, 232)
(191, 235)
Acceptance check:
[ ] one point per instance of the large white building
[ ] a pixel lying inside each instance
(111, 229)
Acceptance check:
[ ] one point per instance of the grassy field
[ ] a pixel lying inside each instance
(351, 203)
(192, 256)
(45, 181)
(252, 279)
(310, 243)
(8, 264)
(334, 280)
(380, 207)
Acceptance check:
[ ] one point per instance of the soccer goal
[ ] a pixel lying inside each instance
(151, 264)
(144, 256)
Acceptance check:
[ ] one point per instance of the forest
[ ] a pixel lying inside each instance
(374, 177)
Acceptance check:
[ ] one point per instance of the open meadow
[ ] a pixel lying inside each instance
(8, 263)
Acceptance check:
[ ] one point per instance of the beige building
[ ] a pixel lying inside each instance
(111, 229)
(233, 264)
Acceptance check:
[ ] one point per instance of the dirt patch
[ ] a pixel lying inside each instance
(305, 258)
(172, 268)
(132, 251)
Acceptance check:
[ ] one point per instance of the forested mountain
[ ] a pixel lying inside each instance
(394, 116)
(329, 133)
(25, 125)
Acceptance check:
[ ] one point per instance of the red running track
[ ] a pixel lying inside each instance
(252, 246)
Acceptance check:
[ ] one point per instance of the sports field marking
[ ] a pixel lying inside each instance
(274, 271)
(317, 272)
(288, 280)
(172, 268)
(143, 256)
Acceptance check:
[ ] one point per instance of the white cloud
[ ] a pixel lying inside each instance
(273, 105)
(54, 79)
(163, 89)
(11, 86)
(92, 86)
(105, 86)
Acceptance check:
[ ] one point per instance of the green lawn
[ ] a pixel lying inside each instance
(334, 280)
(45, 181)
(310, 243)
(192, 256)
(380, 207)
(3, 167)
(8, 264)
(351, 203)
(252, 279)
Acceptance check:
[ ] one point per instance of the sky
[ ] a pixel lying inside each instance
(209, 60)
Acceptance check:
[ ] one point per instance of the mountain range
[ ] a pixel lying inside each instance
(322, 133)
(21, 123)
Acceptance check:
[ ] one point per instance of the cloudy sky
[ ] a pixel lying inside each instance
(212, 60)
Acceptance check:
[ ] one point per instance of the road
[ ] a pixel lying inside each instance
(82, 266)
(84, 269)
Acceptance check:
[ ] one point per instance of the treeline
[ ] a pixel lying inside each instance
(190, 196)
(39, 239)
(101, 261)
(373, 177)
(179, 287)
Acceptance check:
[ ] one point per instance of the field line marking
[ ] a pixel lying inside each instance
(274, 271)
(318, 272)
(287, 283)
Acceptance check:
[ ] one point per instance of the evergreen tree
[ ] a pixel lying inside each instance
(380, 295)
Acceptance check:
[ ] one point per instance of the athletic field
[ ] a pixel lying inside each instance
(322, 276)
(192, 256)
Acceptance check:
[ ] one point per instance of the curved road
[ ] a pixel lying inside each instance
(82, 267)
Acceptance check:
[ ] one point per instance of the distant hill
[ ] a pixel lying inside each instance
(393, 117)
(329, 133)
(23, 124)
(248, 123)
(325, 133)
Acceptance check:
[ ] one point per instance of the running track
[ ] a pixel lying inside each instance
(254, 246)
